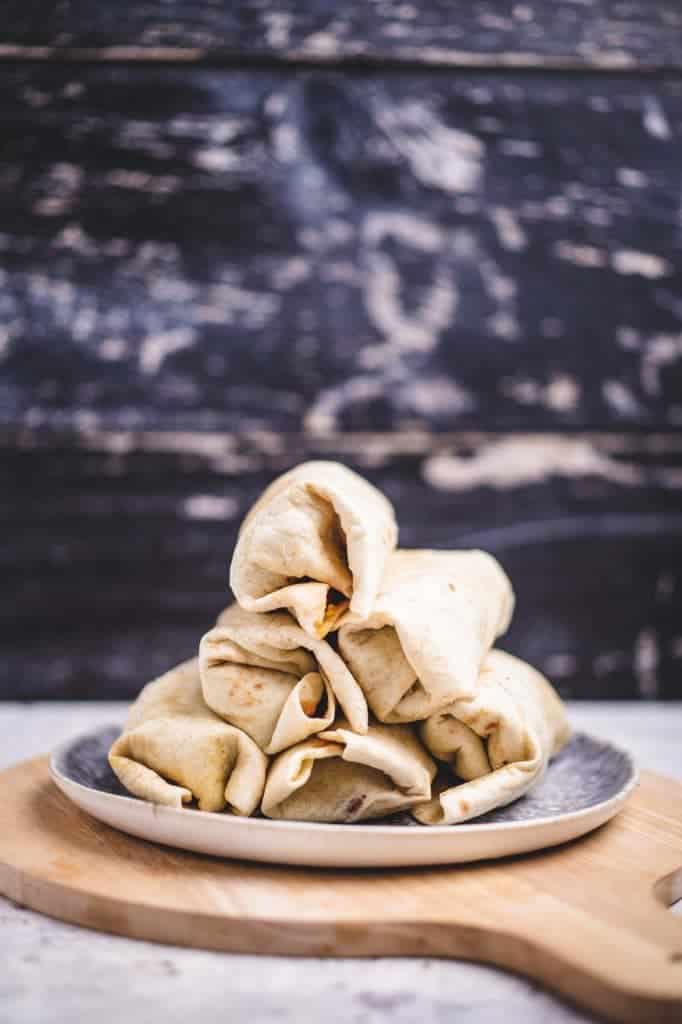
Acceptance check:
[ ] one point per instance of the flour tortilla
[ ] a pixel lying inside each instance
(316, 542)
(498, 744)
(341, 777)
(266, 675)
(436, 616)
(171, 735)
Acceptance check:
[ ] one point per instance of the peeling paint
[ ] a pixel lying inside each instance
(631, 261)
(216, 160)
(630, 177)
(512, 462)
(407, 228)
(646, 661)
(655, 121)
(113, 349)
(290, 273)
(278, 27)
(561, 393)
(504, 325)
(417, 330)
(322, 417)
(156, 348)
(435, 396)
(659, 351)
(620, 399)
(439, 155)
(580, 255)
(509, 232)
(210, 506)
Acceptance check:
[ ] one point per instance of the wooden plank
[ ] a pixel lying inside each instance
(584, 33)
(114, 549)
(185, 249)
(584, 919)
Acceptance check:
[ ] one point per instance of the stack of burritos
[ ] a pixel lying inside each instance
(351, 679)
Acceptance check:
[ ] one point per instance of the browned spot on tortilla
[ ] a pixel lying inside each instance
(241, 696)
(355, 804)
(464, 806)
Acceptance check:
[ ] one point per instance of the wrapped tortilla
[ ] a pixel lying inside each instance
(266, 675)
(315, 542)
(435, 618)
(341, 777)
(499, 743)
(171, 735)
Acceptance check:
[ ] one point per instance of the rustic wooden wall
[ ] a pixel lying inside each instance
(442, 243)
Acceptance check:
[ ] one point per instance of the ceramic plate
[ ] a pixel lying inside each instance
(583, 787)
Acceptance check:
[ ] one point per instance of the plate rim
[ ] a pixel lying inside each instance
(360, 829)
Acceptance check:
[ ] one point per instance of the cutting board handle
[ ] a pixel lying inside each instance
(616, 949)
(592, 919)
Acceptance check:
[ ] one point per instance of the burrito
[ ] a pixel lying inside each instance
(339, 776)
(315, 542)
(171, 735)
(498, 744)
(436, 616)
(266, 675)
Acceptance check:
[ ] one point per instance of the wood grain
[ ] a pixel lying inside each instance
(595, 33)
(586, 919)
(307, 252)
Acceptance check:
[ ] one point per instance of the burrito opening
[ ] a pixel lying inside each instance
(315, 707)
(327, 554)
(332, 532)
(333, 540)
(335, 606)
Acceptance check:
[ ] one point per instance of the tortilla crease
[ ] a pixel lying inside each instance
(173, 749)
(316, 543)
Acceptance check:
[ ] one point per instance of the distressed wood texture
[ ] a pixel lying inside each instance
(211, 270)
(114, 548)
(598, 33)
(314, 251)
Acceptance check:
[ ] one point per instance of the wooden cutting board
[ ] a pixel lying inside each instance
(588, 919)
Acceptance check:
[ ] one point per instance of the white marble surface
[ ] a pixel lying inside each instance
(52, 972)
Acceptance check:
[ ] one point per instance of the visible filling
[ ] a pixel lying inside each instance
(315, 707)
(337, 604)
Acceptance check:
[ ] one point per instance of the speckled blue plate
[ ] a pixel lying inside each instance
(583, 787)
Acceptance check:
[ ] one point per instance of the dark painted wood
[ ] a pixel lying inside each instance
(114, 549)
(601, 33)
(209, 275)
(186, 249)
